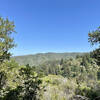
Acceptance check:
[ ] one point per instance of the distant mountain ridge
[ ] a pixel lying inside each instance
(40, 58)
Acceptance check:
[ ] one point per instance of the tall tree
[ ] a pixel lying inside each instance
(6, 40)
(94, 38)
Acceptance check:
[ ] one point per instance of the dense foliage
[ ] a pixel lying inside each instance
(16, 82)
(6, 41)
(71, 78)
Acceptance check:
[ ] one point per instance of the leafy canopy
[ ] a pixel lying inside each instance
(94, 36)
(6, 41)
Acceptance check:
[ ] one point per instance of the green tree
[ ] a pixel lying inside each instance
(96, 54)
(31, 84)
(94, 38)
(6, 41)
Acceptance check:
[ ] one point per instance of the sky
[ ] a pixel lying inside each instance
(51, 25)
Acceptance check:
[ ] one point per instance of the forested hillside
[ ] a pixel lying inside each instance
(43, 57)
(60, 77)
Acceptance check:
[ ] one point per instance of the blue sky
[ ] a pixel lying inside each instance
(52, 25)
